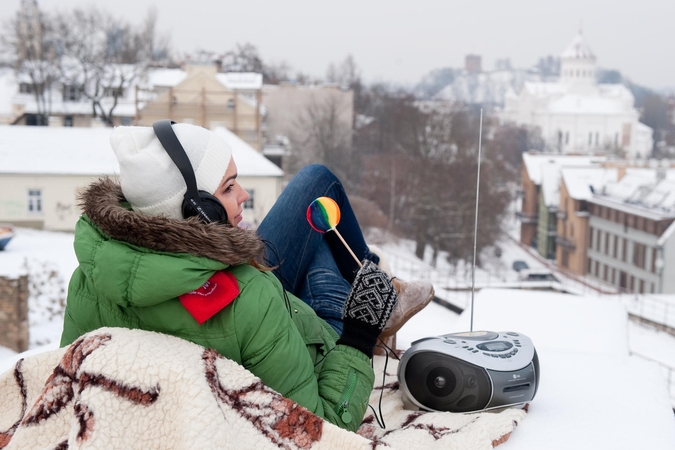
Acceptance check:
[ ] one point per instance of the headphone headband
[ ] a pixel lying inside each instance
(169, 140)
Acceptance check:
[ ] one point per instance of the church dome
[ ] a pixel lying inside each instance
(578, 49)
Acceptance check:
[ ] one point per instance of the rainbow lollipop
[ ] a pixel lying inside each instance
(323, 215)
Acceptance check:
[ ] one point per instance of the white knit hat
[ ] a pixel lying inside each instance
(150, 180)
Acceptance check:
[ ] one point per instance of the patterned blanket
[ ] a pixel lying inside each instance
(131, 389)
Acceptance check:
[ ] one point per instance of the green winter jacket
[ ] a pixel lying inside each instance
(133, 267)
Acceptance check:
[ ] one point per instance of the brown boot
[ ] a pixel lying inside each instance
(412, 298)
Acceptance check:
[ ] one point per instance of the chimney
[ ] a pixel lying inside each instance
(472, 64)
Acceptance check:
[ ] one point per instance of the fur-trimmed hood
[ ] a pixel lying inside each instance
(102, 203)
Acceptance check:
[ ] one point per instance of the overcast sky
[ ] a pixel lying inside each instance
(400, 41)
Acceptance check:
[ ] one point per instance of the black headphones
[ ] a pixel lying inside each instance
(195, 203)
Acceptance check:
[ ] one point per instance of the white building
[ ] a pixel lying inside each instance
(632, 232)
(578, 115)
(42, 168)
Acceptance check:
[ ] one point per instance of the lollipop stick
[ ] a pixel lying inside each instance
(350, 250)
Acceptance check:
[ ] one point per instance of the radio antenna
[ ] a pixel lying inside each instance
(475, 225)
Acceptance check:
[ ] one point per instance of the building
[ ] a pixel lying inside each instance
(576, 114)
(196, 94)
(576, 187)
(536, 205)
(292, 110)
(43, 168)
(201, 95)
(631, 241)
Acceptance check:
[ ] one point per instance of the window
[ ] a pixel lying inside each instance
(623, 249)
(567, 137)
(67, 121)
(639, 251)
(250, 203)
(230, 103)
(34, 200)
(71, 93)
(590, 138)
(604, 274)
(606, 243)
(642, 286)
(613, 280)
(616, 246)
(116, 91)
(590, 238)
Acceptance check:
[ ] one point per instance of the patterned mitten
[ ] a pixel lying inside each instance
(367, 309)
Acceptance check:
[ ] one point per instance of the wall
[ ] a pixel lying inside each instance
(267, 190)
(14, 313)
(603, 253)
(60, 211)
(59, 204)
(528, 225)
(572, 228)
(203, 100)
(288, 105)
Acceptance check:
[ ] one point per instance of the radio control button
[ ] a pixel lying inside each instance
(448, 341)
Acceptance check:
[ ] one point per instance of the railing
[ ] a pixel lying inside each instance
(562, 215)
(564, 241)
(669, 374)
(527, 217)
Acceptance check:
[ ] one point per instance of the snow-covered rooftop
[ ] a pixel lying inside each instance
(581, 182)
(534, 161)
(56, 151)
(592, 394)
(249, 162)
(550, 184)
(587, 104)
(87, 151)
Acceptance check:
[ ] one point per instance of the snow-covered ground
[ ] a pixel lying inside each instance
(592, 394)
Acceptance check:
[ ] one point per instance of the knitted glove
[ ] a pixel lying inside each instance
(367, 308)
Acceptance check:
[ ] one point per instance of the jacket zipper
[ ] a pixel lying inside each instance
(343, 405)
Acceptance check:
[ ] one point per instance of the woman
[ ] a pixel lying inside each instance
(142, 264)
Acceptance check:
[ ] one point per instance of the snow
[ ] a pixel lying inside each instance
(534, 163)
(579, 181)
(592, 393)
(33, 150)
(30, 150)
(250, 163)
(550, 184)
(241, 80)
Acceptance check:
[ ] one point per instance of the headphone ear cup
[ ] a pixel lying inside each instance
(210, 205)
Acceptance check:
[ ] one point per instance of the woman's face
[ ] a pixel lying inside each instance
(231, 194)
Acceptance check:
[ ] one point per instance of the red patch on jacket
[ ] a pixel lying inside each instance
(214, 295)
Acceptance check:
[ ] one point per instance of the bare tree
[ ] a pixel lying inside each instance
(421, 165)
(30, 45)
(323, 134)
(243, 58)
(102, 55)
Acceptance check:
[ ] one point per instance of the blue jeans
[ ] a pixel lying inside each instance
(313, 266)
